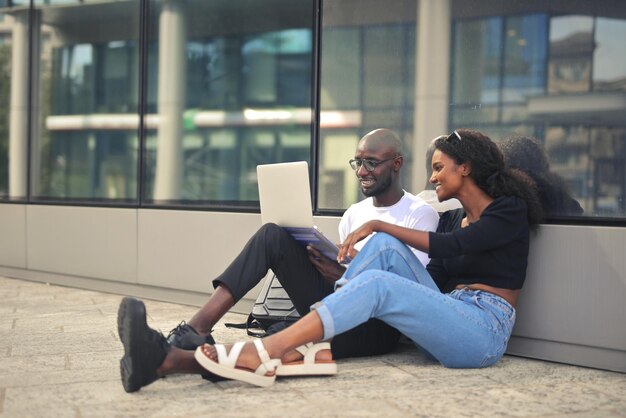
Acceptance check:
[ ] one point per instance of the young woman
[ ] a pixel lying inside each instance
(478, 255)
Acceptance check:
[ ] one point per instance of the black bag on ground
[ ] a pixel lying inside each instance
(272, 310)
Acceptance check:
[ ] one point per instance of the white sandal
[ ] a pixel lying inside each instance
(226, 364)
(308, 366)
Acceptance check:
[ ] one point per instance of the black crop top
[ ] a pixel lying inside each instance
(492, 250)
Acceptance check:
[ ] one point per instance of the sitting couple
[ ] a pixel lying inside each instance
(460, 308)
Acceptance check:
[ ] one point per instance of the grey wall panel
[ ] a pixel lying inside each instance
(91, 242)
(13, 235)
(575, 291)
(580, 355)
(186, 249)
(571, 309)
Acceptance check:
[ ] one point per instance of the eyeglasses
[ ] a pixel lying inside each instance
(370, 165)
(454, 134)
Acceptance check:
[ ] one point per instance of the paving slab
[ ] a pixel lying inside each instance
(59, 357)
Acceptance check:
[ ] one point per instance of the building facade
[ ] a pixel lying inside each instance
(130, 132)
(176, 102)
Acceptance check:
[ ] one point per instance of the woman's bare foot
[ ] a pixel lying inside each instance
(239, 362)
(248, 358)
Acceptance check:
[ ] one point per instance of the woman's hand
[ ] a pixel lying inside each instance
(411, 237)
(347, 247)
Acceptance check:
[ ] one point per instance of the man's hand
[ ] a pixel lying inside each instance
(327, 267)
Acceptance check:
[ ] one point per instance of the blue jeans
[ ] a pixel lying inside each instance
(462, 329)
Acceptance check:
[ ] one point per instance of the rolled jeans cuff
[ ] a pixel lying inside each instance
(327, 320)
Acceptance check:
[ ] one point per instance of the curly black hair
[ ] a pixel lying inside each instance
(527, 154)
(489, 171)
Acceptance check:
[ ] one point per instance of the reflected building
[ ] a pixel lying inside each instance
(163, 102)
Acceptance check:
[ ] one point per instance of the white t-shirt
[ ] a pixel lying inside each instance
(410, 212)
(430, 197)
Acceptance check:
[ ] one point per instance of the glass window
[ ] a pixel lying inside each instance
(571, 54)
(385, 70)
(14, 88)
(525, 56)
(609, 60)
(88, 70)
(5, 106)
(592, 161)
(229, 87)
(367, 81)
(340, 87)
(549, 76)
(477, 62)
(92, 110)
(512, 55)
(53, 2)
(566, 147)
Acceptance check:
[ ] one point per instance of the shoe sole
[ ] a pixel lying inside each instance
(302, 369)
(309, 365)
(131, 319)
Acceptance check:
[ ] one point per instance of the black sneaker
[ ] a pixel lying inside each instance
(144, 348)
(186, 338)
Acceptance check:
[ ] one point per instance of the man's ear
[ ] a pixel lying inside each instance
(398, 162)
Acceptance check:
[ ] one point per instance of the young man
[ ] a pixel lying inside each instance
(307, 275)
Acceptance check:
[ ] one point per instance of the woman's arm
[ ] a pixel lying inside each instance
(411, 237)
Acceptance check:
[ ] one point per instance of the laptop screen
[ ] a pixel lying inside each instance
(285, 194)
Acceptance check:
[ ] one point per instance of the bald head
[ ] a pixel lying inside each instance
(382, 140)
(380, 178)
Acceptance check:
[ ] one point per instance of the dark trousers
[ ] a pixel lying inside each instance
(271, 247)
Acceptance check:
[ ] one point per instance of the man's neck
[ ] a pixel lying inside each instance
(388, 198)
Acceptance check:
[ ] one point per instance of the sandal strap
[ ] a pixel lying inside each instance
(303, 349)
(310, 350)
(229, 359)
(267, 365)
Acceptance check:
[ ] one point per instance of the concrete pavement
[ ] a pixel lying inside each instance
(59, 357)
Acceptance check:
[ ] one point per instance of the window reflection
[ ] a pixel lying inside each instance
(214, 87)
(367, 82)
(14, 127)
(223, 86)
(571, 51)
(553, 82)
(525, 57)
(477, 60)
(609, 60)
(225, 95)
(5, 100)
(88, 67)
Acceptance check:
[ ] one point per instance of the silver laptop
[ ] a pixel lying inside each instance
(285, 194)
(285, 198)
